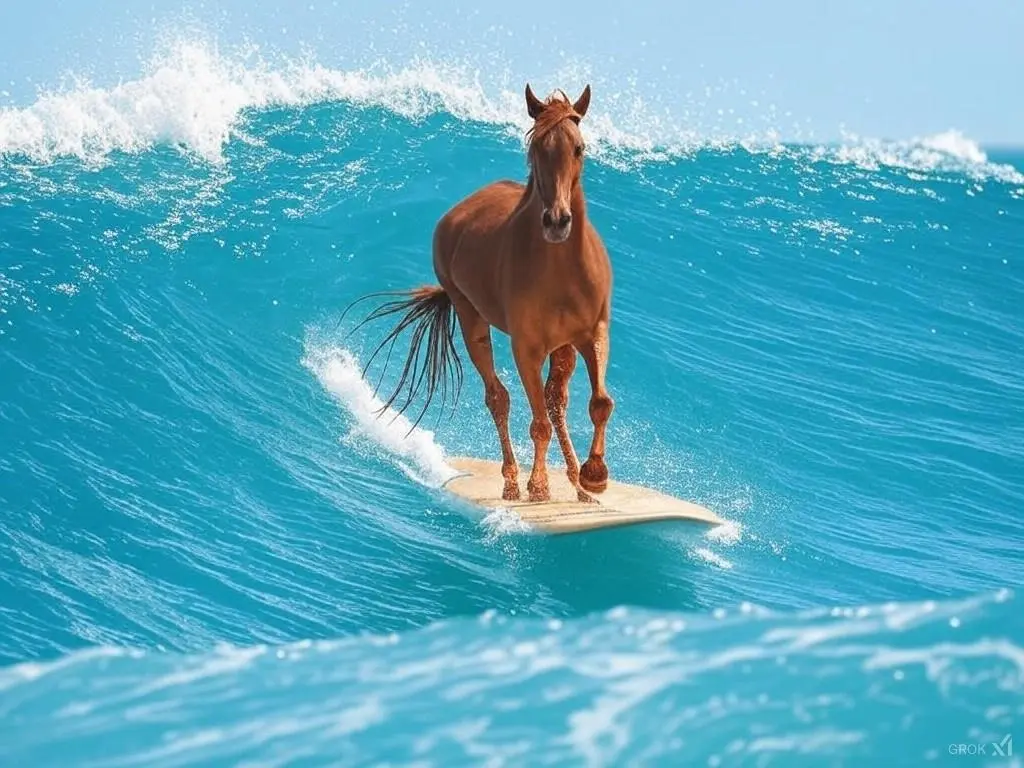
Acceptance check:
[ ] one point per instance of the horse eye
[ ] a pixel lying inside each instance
(579, 150)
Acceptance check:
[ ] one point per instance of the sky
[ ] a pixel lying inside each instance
(809, 69)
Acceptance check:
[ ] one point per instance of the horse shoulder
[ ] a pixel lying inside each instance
(484, 208)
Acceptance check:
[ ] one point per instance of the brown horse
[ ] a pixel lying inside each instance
(526, 260)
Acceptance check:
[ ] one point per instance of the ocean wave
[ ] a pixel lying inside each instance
(194, 96)
(413, 449)
(911, 681)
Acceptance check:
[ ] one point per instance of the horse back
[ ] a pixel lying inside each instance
(472, 235)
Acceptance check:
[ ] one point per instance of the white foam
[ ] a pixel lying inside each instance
(946, 151)
(415, 453)
(713, 558)
(194, 96)
(504, 522)
(728, 533)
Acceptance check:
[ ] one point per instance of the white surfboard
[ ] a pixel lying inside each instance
(480, 482)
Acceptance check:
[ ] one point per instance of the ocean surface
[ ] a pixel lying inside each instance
(213, 553)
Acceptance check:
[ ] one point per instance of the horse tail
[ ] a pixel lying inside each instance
(429, 312)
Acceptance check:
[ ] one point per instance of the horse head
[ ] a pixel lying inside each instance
(556, 157)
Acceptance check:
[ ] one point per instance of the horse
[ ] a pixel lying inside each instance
(525, 259)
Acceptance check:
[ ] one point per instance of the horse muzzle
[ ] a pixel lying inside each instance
(556, 227)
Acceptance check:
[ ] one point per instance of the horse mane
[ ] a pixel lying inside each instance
(557, 108)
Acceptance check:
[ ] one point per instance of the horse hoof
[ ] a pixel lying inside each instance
(539, 492)
(511, 491)
(585, 498)
(594, 475)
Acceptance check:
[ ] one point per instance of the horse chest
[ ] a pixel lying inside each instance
(557, 308)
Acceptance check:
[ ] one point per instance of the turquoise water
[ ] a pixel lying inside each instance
(213, 553)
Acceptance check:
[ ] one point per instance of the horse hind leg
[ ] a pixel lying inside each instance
(562, 363)
(476, 334)
(594, 472)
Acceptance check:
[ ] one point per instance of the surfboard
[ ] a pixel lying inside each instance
(479, 482)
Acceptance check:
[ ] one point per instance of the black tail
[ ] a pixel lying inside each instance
(429, 311)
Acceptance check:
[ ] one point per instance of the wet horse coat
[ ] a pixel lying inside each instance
(526, 260)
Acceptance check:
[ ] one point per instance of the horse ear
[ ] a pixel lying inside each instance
(582, 102)
(534, 106)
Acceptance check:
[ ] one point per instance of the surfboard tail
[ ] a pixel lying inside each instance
(432, 359)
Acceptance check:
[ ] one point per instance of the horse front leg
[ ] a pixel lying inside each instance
(594, 472)
(529, 361)
(562, 363)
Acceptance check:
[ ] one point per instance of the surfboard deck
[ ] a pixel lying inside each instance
(480, 482)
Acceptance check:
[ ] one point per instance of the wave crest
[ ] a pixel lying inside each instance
(193, 96)
(949, 151)
(626, 687)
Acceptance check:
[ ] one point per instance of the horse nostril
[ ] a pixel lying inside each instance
(564, 219)
(546, 218)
